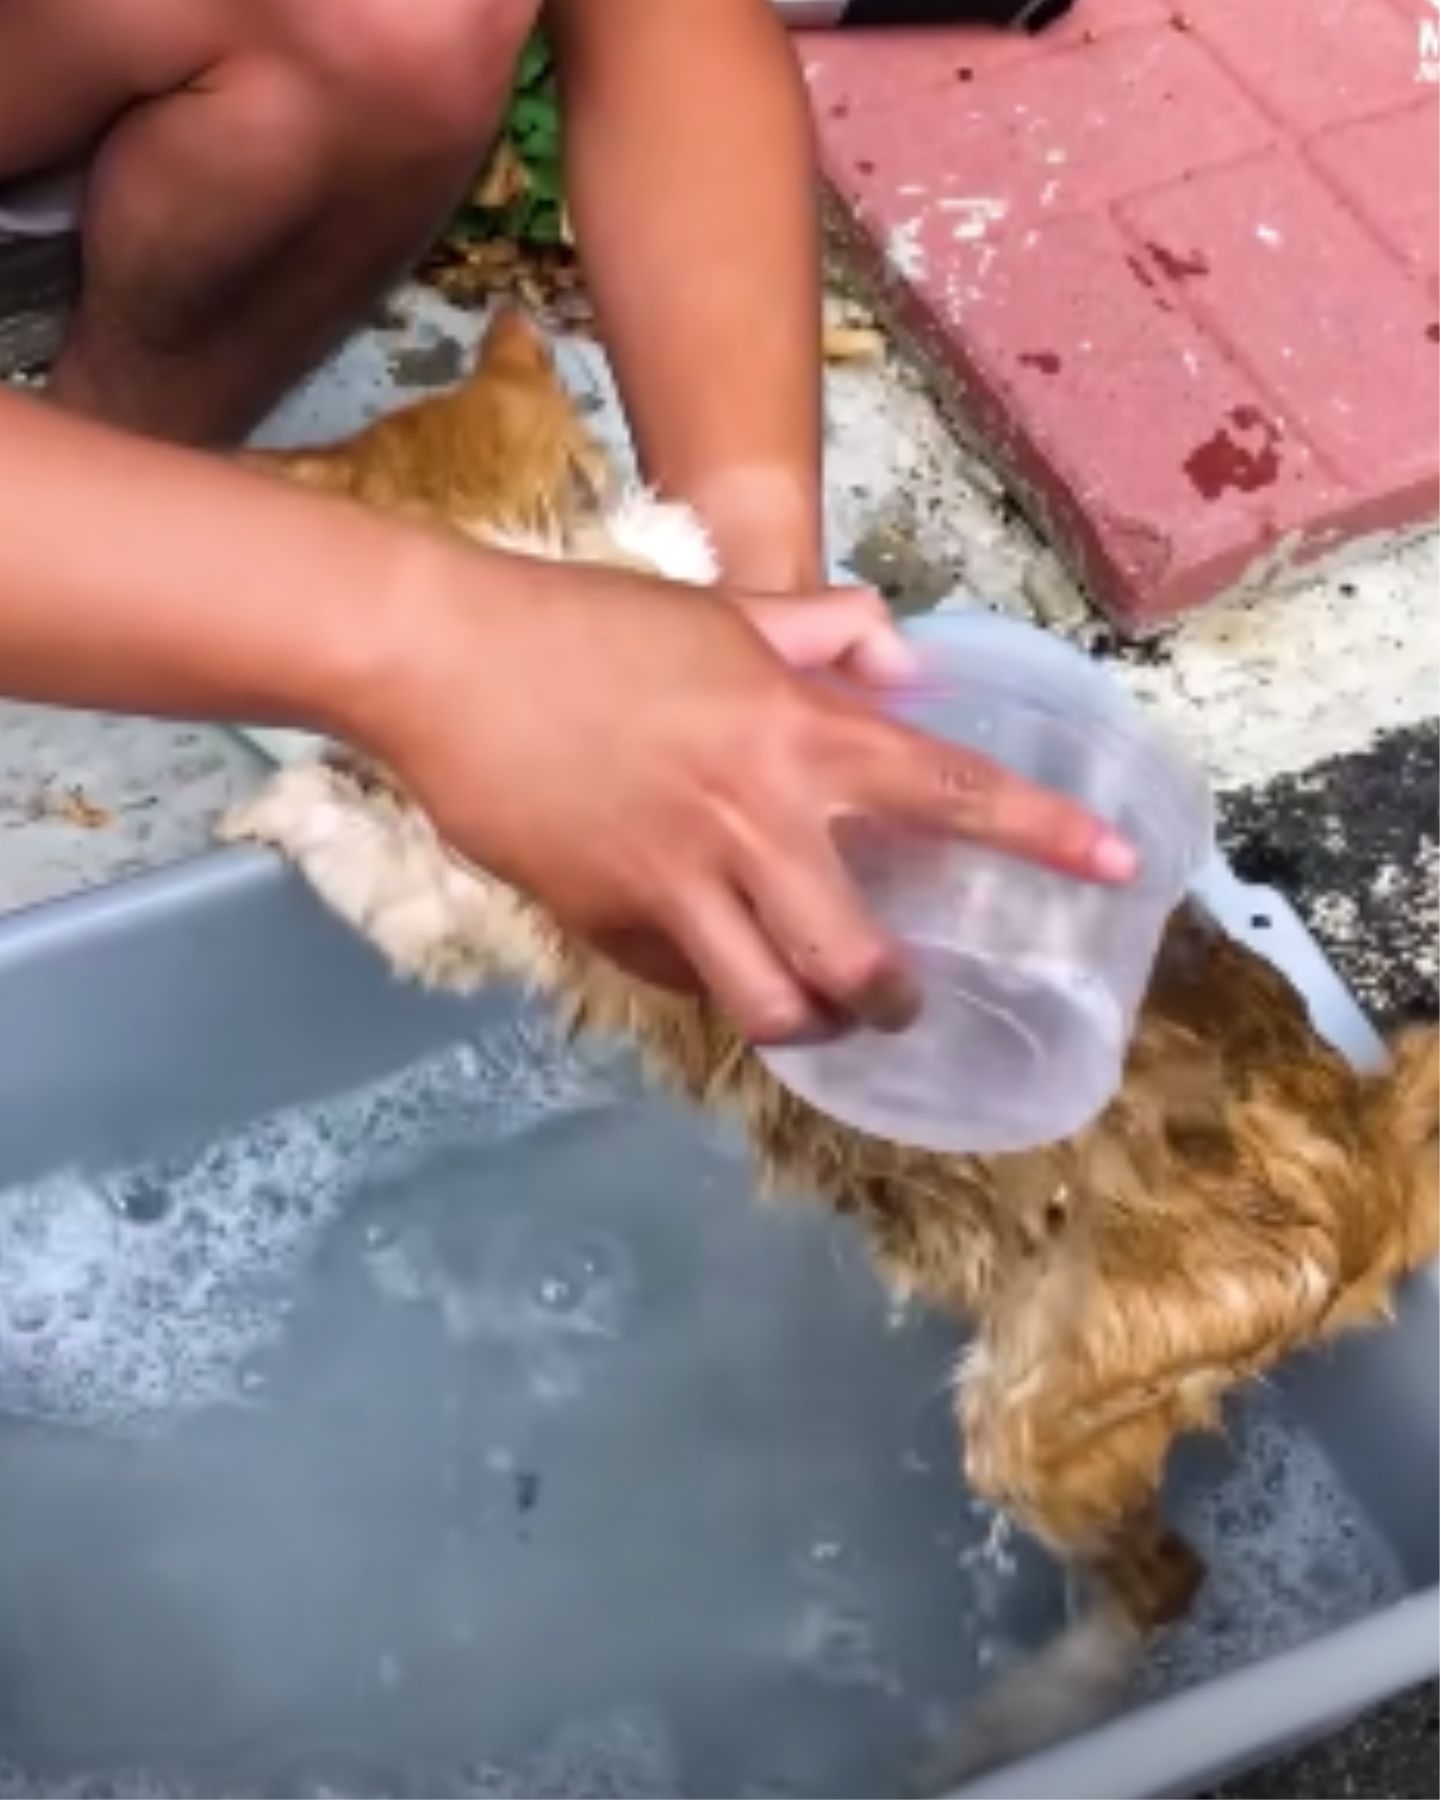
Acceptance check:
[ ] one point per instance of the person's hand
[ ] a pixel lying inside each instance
(846, 630)
(641, 761)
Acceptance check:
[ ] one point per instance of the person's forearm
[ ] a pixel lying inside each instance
(691, 181)
(141, 578)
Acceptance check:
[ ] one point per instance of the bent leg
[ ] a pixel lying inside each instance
(258, 178)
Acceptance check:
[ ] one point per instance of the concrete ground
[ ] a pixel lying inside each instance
(1315, 711)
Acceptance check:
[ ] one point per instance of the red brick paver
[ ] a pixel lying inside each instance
(1179, 261)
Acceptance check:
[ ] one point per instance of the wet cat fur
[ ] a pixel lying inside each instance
(1246, 1195)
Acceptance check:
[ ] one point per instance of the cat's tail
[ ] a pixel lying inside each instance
(1077, 1681)
(1084, 1675)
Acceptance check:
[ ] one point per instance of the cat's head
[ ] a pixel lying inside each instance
(556, 492)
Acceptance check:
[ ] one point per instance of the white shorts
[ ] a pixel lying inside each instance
(42, 205)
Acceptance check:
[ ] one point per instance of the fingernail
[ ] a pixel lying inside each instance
(1114, 858)
(889, 661)
(892, 1004)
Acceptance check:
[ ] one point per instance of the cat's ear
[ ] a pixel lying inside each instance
(513, 344)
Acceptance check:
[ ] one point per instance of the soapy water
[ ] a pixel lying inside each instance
(1289, 1555)
(790, 1565)
(384, 1483)
(627, 1753)
(133, 1294)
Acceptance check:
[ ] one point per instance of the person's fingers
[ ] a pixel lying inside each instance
(847, 629)
(726, 946)
(903, 774)
(814, 918)
(648, 956)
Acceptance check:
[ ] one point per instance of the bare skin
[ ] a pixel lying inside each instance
(691, 180)
(679, 779)
(260, 168)
(259, 171)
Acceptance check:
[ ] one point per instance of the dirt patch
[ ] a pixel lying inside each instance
(428, 365)
(888, 557)
(1353, 844)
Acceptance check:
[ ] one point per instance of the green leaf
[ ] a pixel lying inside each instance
(534, 64)
(535, 125)
(547, 179)
(545, 222)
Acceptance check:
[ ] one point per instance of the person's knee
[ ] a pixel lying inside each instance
(417, 79)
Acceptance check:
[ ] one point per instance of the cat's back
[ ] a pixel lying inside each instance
(1233, 1001)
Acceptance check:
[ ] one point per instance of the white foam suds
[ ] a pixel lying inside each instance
(624, 1753)
(139, 1292)
(627, 1752)
(1289, 1555)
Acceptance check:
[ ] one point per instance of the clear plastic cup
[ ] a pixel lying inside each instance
(1031, 980)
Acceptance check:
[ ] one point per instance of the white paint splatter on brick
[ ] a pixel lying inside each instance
(1262, 686)
(904, 251)
(978, 213)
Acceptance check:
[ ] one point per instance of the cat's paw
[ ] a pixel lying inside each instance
(290, 812)
(376, 862)
(666, 535)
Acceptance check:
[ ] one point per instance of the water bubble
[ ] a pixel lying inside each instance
(399, 1275)
(627, 1754)
(995, 1550)
(29, 1313)
(252, 1380)
(559, 1295)
(590, 1285)
(1288, 1555)
(838, 1646)
(140, 1197)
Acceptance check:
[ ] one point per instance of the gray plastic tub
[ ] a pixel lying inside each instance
(392, 1402)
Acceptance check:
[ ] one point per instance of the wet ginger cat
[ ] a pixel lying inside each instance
(1246, 1195)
